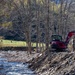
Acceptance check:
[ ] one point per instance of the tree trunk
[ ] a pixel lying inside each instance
(74, 43)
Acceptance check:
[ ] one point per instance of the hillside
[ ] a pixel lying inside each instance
(55, 63)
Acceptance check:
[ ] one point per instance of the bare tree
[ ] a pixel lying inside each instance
(47, 26)
(24, 12)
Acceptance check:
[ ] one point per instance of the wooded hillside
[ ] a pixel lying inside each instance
(36, 20)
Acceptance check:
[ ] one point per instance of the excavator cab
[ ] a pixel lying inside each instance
(57, 43)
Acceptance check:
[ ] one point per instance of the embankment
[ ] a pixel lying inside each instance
(54, 63)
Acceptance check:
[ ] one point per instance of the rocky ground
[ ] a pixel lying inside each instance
(54, 63)
(19, 56)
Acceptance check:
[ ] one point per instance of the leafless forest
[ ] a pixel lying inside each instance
(36, 20)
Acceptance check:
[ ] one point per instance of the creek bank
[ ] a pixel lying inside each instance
(19, 56)
(54, 63)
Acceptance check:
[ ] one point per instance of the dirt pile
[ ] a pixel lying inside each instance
(54, 63)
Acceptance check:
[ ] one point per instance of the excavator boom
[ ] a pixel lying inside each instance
(70, 34)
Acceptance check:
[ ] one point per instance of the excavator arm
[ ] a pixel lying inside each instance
(70, 34)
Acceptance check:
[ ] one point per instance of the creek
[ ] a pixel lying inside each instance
(14, 68)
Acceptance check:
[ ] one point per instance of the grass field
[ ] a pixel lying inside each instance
(11, 43)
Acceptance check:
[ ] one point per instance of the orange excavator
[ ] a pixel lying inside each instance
(57, 43)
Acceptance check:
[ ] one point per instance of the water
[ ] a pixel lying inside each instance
(14, 68)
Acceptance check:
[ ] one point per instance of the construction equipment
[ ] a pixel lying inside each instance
(57, 42)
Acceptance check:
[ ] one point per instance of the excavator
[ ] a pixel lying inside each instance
(58, 44)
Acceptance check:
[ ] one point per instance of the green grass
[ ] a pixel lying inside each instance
(11, 43)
